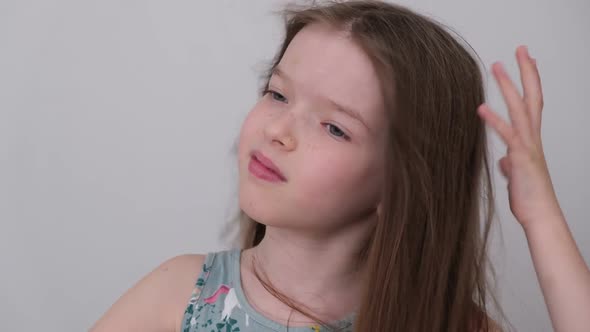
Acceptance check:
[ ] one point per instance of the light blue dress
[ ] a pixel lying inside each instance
(218, 303)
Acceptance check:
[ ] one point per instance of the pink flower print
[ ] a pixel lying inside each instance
(223, 289)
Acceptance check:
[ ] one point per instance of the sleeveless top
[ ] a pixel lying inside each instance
(218, 303)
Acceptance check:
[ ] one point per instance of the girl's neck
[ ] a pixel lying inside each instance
(319, 272)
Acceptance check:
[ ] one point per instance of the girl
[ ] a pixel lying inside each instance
(361, 172)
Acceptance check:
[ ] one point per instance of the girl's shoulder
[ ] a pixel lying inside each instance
(156, 302)
(194, 274)
(182, 272)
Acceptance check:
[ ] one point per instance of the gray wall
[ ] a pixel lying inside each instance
(117, 120)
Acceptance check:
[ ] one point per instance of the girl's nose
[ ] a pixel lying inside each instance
(280, 132)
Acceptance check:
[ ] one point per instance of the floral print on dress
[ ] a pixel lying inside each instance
(217, 312)
(227, 323)
(189, 313)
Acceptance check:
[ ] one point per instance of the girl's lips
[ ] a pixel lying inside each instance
(262, 167)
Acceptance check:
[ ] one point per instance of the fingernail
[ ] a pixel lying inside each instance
(526, 51)
(500, 68)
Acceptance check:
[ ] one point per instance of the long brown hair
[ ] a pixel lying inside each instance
(428, 252)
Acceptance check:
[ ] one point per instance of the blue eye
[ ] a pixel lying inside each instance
(275, 96)
(337, 132)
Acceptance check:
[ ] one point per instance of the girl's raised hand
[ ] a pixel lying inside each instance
(530, 190)
(562, 272)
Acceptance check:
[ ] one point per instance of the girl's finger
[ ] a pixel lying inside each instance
(531, 82)
(505, 167)
(502, 127)
(516, 106)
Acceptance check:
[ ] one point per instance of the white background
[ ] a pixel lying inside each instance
(117, 120)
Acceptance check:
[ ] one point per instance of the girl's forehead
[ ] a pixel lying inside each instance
(326, 62)
(322, 51)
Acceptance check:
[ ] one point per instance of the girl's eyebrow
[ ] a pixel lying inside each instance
(340, 108)
(348, 111)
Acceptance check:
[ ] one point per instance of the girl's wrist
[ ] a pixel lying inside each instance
(544, 222)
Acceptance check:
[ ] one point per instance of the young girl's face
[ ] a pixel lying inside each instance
(322, 124)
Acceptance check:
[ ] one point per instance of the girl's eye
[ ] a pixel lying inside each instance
(334, 130)
(276, 96)
(337, 132)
